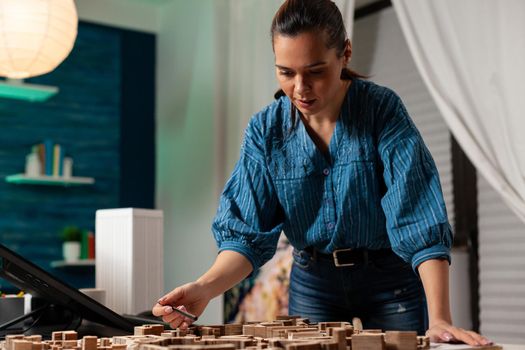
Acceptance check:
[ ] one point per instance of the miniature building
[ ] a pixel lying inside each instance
(285, 333)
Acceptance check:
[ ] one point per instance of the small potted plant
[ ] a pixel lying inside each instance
(71, 237)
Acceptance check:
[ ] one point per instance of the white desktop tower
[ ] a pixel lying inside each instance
(129, 258)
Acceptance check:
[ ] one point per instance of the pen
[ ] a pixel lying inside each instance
(184, 313)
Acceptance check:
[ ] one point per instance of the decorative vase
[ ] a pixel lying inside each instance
(71, 251)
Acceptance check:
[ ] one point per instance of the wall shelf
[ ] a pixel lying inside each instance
(78, 263)
(22, 179)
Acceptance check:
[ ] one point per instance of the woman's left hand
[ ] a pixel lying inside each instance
(444, 332)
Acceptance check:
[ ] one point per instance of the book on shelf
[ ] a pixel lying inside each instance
(48, 160)
(51, 156)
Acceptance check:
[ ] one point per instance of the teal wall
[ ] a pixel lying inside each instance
(104, 117)
(84, 118)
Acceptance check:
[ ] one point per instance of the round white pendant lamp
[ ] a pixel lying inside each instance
(35, 36)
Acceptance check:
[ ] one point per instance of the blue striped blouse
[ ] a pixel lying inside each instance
(377, 188)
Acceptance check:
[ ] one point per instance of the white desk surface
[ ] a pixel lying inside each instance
(436, 346)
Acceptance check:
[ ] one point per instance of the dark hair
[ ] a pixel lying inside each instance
(299, 16)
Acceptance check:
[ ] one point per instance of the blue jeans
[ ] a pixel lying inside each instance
(384, 293)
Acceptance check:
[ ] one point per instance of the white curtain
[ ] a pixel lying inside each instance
(471, 55)
(244, 72)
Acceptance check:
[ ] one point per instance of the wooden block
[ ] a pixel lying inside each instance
(349, 341)
(304, 346)
(302, 321)
(56, 336)
(286, 320)
(201, 347)
(219, 330)
(207, 331)
(398, 340)
(233, 329)
(33, 338)
(104, 342)
(149, 329)
(241, 343)
(183, 340)
(302, 335)
(170, 333)
(283, 331)
(207, 337)
(241, 336)
(368, 341)
(118, 340)
(69, 335)
(14, 337)
(282, 343)
(163, 341)
(300, 329)
(37, 345)
(261, 343)
(329, 345)
(20, 344)
(287, 317)
(339, 336)
(140, 330)
(349, 331)
(89, 342)
(423, 342)
(151, 347)
(248, 329)
(259, 331)
(270, 324)
(119, 347)
(69, 344)
(10, 338)
(324, 325)
(156, 329)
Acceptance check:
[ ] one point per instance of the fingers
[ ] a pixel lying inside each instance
(169, 315)
(448, 333)
(479, 338)
(174, 319)
(460, 334)
(163, 305)
(177, 320)
(171, 297)
(161, 310)
(469, 337)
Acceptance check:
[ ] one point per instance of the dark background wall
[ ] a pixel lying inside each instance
(104, 117)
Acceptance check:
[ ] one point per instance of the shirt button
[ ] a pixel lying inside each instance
(330, 225)
(326, 171)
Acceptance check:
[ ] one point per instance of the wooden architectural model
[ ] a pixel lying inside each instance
(285, 333)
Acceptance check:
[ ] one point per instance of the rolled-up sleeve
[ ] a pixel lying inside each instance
(248, 218)
(414, 207)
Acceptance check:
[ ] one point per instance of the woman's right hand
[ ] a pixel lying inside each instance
(191, 297)
(228, 269)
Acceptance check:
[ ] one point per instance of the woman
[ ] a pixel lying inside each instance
(337, 164)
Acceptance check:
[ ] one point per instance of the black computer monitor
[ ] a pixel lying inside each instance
(31, 278)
